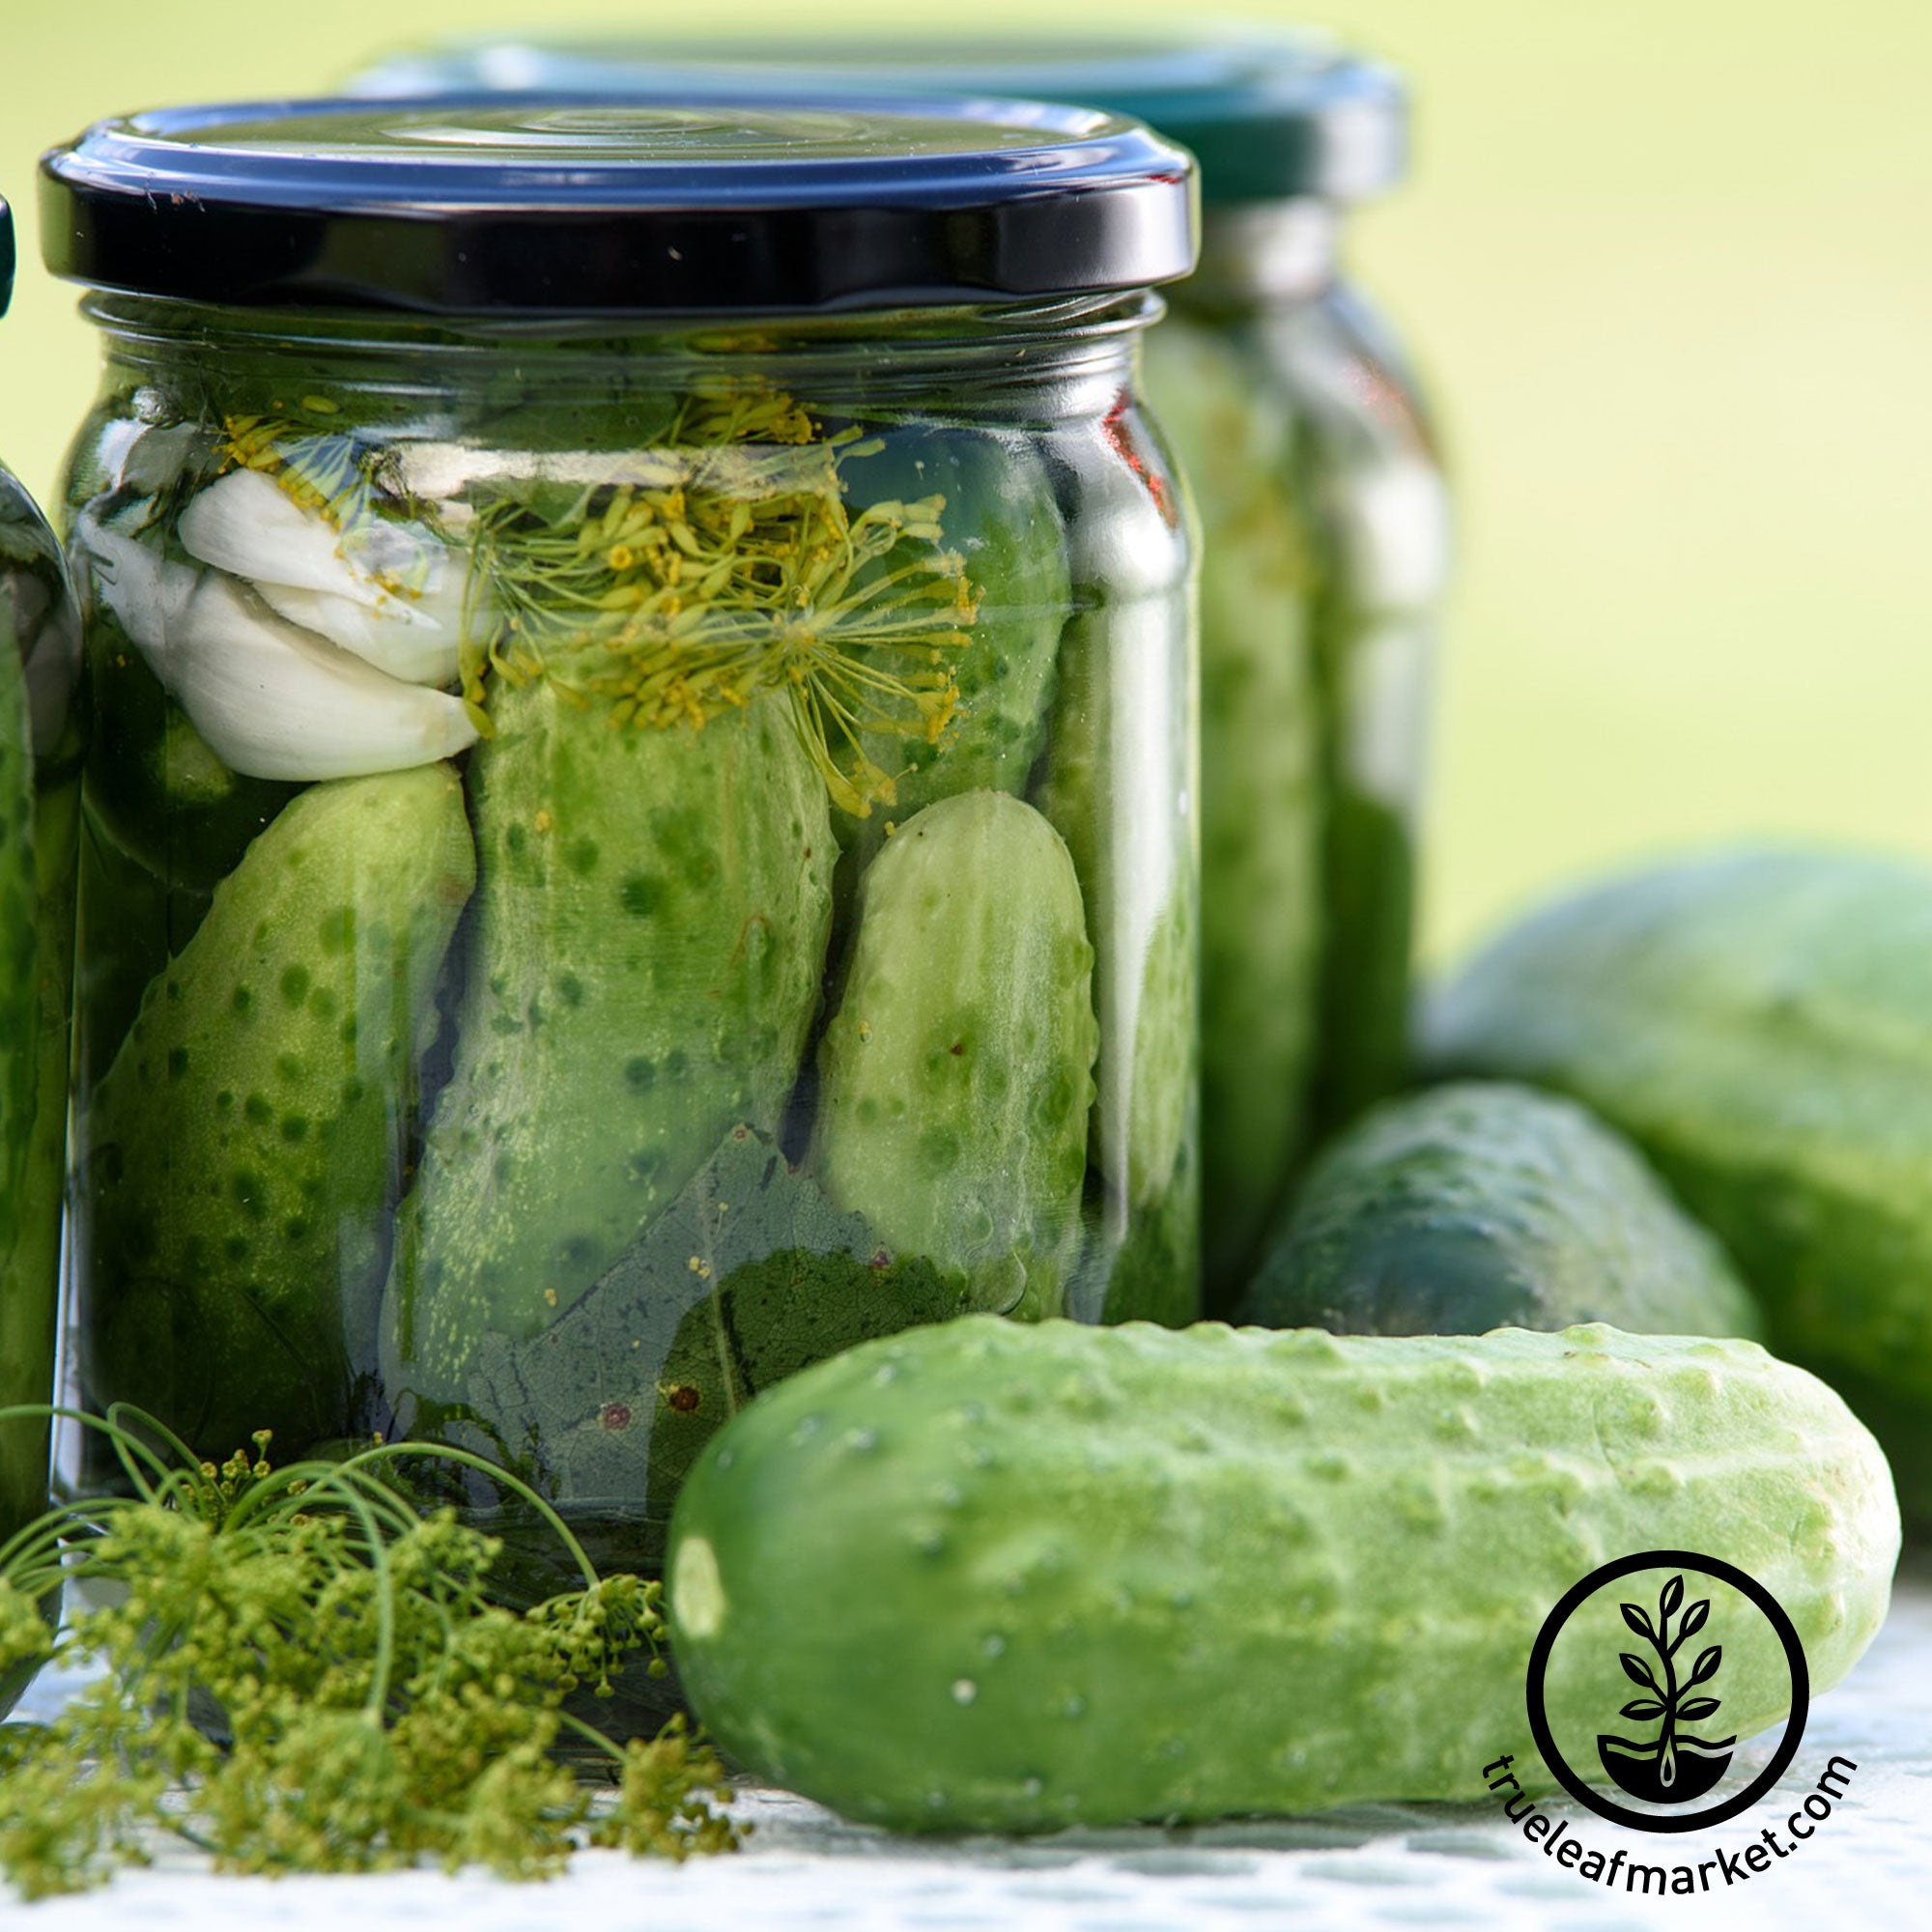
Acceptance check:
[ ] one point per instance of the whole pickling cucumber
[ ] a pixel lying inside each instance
(245, 1148)
(647, 947)
(1759, 1022)
(991, 1577)
(1262, 928)
(1481, 1202)
(957, 1073)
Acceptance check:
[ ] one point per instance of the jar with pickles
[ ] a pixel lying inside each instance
(1299, 427)
(42, 739)
(640, 830)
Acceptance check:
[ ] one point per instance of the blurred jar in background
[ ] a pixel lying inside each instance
(40, 744)
(1299, 428)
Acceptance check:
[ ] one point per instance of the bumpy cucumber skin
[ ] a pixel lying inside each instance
(244, 1151)
(1485, 1204)
(1759, 1022)
(646, 955)
(1260, 804)
(956, 1076)
(982, 1577)
(1001, 517)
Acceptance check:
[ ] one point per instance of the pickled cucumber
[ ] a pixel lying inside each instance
(645, 958)
(1260, 804)
(1107, 790)
(957, 1074)
(997, 513)
(245, 1148)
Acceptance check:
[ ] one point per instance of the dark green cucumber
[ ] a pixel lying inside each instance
(647, 949)
(244, 1151)
(1483, 1205)
(152, 785)
(992, 1576)
(1260, 803)
(1760, 1023)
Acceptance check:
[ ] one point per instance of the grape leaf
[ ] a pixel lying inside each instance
(749, 1275)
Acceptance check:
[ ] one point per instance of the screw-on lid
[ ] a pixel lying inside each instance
(5, 256)
(678, 199)
(1269, 114)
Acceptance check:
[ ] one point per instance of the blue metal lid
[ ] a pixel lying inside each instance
(683, 199)
(1269, 114)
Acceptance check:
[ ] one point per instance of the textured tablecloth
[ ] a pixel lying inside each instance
(1869, 1866)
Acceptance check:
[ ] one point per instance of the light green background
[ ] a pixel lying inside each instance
(1668, 265)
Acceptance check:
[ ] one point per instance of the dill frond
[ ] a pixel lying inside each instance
(373, 1706)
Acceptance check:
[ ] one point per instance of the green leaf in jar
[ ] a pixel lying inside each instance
(749, 1275)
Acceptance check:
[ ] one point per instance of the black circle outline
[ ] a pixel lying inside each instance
(1567, 1607)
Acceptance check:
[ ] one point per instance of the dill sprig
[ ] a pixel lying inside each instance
(724, 562)
(728, 564)
(305, 1673)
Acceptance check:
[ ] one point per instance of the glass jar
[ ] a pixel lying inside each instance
(643, 792)
(40, 744)
(1299, 427)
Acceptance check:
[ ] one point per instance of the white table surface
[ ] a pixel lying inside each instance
(1870, 1868)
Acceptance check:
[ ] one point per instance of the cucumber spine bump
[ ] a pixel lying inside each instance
(1006, 1578)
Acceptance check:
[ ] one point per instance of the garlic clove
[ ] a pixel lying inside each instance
(272, 700)
(393, 593)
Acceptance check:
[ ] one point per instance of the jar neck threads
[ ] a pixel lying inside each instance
(1037, 362)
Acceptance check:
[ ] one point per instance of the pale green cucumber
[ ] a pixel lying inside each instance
(994, 1576)
(244, 1151)
(645, 958)
(1759, 1021)
(957, 1074)
(1109, 790)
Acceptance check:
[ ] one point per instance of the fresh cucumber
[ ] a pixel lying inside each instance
(646, 953)
(1483, 1204)
(956, 1076)
(1759, 1023)
(995, 1577)
(244, 1150)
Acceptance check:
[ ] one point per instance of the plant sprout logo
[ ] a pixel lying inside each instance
(1676, 1766)
(1677, 1757)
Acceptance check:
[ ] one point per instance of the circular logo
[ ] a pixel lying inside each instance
(1685, 1642)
